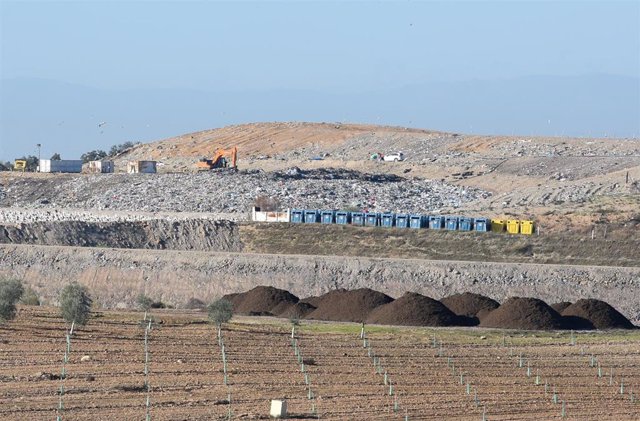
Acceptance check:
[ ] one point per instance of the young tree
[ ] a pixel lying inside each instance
(220, 311)
(94, 155)
(118, 149)
(10, 292)
(75, 303)
(144, 302)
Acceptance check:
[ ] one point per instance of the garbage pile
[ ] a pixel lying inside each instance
(236, 192)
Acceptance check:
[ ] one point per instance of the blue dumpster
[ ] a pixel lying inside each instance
(386, 220)
(402, 220)
(451, 223)
(343, 217)
(482, 224)
(297, 216)
(311, 216)
(436, 222)
(357, 218)
(465, 224)
(417, 221)
(327, 216)
(371, 219)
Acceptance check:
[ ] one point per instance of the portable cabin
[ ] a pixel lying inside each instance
(498, 225)
(451, 223)
(259, 215)
(482, 224)
(436, 222)
(387, 219)
(62, 165)
(417, 221)
(327, 216)
(148, 167)
(465, 224)
(311, 216)
(343, 217)
(297, 216)
(526, 227)
(402, 220)
(371, 219)
(100, 167)
(513, 226)
(357, 218)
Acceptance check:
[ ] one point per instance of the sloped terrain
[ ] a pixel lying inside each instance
(523, 313)
(413, 309)
(598, 313)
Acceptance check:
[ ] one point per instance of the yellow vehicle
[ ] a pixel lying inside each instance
(222, 158)
(20, 165)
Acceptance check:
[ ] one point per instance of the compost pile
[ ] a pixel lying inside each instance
(559, 307)
(523, 313)
(590, 314)
(413, 309)
(470, 305)
(347, 306)
(262, 301)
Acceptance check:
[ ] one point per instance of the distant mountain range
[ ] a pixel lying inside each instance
(72, 119)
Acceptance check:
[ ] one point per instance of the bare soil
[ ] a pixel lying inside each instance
(186, 379)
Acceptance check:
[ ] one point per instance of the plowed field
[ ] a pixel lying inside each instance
(428, 369)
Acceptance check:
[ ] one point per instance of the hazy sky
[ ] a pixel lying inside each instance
(330, 47)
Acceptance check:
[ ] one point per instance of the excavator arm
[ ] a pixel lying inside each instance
(222, 158)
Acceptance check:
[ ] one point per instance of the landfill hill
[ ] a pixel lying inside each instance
(564, 184)
(590, 180)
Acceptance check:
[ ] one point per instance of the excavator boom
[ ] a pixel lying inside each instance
(222, 158)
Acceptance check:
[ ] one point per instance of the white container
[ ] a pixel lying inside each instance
(64, 165)
(278, 408)
(148, 167)
(101, 166)
(260, 216)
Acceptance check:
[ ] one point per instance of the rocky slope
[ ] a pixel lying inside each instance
(116, 277)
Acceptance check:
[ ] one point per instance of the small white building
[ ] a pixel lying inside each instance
(148, 167)
(63, 165)
(271, 216)
(100, 166)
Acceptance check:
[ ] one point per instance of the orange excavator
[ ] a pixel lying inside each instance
(222, 158)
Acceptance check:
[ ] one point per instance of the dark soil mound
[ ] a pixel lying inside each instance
(298, 310)
(314, 301)
(195, 304)
(469, 304)
(559, 307)
(347, 306)
(523, 313)
(261, 300)
(600, 314)
(413, 309)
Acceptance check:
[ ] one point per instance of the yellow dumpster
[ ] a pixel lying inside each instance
(526, 227)
(513, 226)
(497, 225)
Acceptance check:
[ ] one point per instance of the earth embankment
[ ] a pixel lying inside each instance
(191, 234)
(117, 276)
(208, 234)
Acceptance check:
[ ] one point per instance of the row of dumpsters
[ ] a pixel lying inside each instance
(415, 221)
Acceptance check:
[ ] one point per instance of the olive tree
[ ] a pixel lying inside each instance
(75, 303)
(10, 292)
(220, 311)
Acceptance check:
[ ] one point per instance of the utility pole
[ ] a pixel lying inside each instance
(39, 145)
